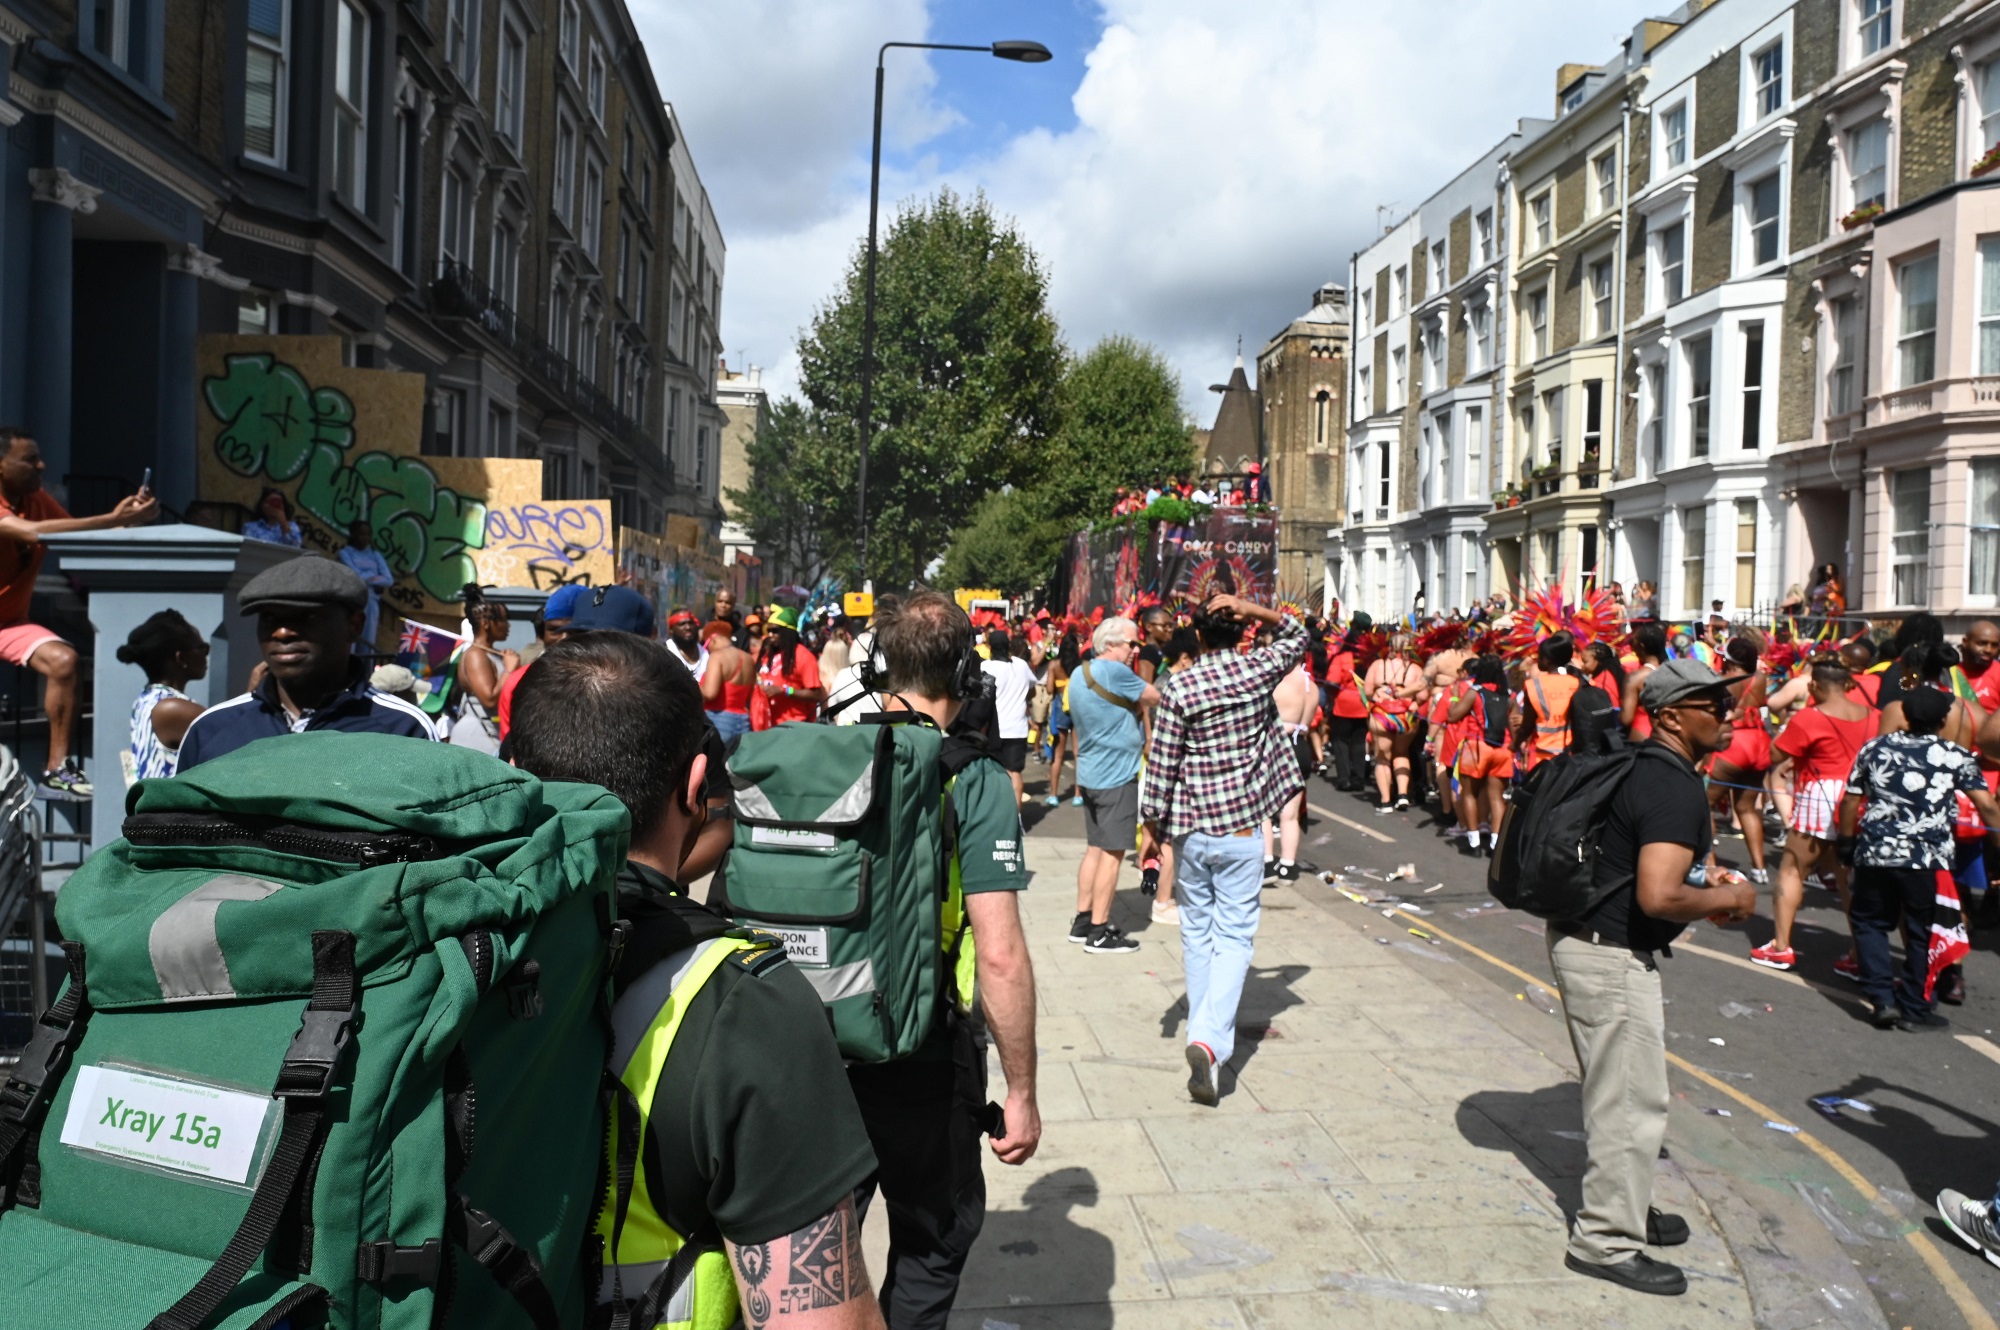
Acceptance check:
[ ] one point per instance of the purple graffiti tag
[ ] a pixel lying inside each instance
(562, 535)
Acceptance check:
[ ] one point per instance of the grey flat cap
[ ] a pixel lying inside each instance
(1679, 680)
(302, 584)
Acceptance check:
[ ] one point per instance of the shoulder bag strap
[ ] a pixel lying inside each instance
(1125, 704)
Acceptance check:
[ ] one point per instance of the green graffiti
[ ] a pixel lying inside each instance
(276, 426)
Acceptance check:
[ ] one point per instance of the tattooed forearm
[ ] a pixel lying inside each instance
(822, 1257)
(753, 1265)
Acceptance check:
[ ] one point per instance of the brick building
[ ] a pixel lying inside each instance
(480, 191)
(1302, 393)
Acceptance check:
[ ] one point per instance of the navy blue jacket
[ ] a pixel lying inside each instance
(228, 726)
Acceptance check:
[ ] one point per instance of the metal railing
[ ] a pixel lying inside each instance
(24, 964)
(459, 292)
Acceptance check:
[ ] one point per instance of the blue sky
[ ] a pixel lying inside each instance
(1189, 170)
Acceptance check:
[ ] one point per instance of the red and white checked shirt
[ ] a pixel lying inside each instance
(1218, 762)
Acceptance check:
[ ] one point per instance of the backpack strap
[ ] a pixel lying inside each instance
(311, 1066)
(1124, 704)
(30, 1088)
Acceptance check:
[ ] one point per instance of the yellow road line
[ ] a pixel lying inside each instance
(1351, 825)
(1920, 1240)
(1984, 1047)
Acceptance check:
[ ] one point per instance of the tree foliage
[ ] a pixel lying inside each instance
(1010, 544)
(967, 364)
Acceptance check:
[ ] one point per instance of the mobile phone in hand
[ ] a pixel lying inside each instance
(146, 483)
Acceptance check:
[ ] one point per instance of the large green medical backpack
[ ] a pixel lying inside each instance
(330, 1050)
(843, 849)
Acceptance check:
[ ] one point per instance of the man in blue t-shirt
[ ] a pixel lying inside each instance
(1106, 698)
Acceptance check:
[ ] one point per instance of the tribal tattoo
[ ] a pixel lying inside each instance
(825, 1269)
(754, 1263)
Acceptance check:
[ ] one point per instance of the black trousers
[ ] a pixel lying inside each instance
(1349, 735)
(1883, 899)
(923, 1120)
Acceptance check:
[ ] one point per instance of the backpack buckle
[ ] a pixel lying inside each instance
(379, 1262)
(42, 1063)
(621, 933)
(314, 1057)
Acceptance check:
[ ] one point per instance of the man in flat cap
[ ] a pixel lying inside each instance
(309, 612)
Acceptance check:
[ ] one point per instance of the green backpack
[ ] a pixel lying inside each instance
(332, 1041)
(843, 849)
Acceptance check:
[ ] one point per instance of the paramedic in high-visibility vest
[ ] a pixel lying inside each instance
(735, 1146)
(923, 1112)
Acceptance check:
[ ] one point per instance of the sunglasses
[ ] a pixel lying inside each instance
(1718, 707)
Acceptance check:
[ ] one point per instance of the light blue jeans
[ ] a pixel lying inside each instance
(730, 724)
(1218, 884)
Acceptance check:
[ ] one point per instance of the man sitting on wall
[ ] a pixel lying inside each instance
(27, 513)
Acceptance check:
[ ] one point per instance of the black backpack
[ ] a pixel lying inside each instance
(1492, 704)
(1547, 861)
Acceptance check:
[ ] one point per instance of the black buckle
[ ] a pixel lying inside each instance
(314, 1057)
(42, 1064)
(523, 985)
(621, 933)
(379, 1262)
(488, 1242)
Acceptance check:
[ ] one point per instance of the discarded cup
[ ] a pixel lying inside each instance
(1734, 1009)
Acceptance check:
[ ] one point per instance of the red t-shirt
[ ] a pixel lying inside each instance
(1347, 700)
(777, 709)
(506, 707)
(21, 560)
(1986, 685)
(1870, 688)
(1821, 747)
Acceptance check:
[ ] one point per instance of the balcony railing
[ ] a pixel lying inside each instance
(459, 293)
(1980, 393)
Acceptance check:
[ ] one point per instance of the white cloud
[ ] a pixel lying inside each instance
(1226, 160)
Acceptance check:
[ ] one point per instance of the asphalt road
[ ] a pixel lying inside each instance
(1933, 1097)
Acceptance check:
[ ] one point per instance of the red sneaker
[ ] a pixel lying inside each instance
(1771, 958)
(1848, 968)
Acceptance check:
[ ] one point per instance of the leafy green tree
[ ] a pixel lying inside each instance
(1121, 425)
(1009, 544)
(800, 480)
(967, 364)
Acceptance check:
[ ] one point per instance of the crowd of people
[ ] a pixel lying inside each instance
(1252, 487)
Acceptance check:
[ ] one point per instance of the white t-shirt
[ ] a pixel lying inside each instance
(1012, 682)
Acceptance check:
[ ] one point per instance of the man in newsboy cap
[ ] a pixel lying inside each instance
(309, 612)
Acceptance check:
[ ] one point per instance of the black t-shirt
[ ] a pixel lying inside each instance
(1153, 656)
(1662, 799)
(754, 1130)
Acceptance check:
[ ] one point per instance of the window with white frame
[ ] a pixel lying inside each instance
(1382, 482)
(1479, 346)
(1433, 357)
(1593, 425)
(255, 313)
(594, 87)
(592, 227)
(1670, 258)
(1867, 151)
(1652, 380)
(1367, 308)
(350, 103)
(673, 423)
(1982, 526)
(565, 168)
(568, 34)
(1475, 448)
(267, 88)
(1401, 285)
(587, 330)
(1438, 276)
(1761, 203)
(1674, 136)
(1398, 377)
(449, 427)
(1363, 390)
(1535, 324)
(625, 264)
(1600, 297)
(644, 282)
(1468, 568)
(1482, 234)
(1916, 331)
(1753, 384)
(455, 216)
(676, 298)
(461, 40)
(1767, 77)
(1844, 377)
(510, 82)
(1524, 446)
(1746, 553)
(119, 33)
(1989, 304)
(1875, 25)
(1427, 452)
(1910, 538)
(403, 218)
(1552, 425)
(1694, 555)
(1700, 372)
(1541, 218)
(1441, 459)
(1604, 176)
(1986, 80)
(506, 270)
(559, 320)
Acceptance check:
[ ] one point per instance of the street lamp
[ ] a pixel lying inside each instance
(1029, 53)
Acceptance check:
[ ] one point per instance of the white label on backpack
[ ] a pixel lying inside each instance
(789, 839)
(184, 1126)
(805, 946)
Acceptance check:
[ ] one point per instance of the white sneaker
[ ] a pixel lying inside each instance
(1168, 914)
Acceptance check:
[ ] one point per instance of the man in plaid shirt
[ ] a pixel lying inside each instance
(1216, 768)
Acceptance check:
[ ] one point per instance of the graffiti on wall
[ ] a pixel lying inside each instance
(343, 444)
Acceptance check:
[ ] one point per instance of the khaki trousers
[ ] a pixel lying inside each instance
(1617, 1025)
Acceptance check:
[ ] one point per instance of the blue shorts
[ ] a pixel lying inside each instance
(1059, 722)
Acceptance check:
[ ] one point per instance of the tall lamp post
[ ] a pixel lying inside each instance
(1031, 53)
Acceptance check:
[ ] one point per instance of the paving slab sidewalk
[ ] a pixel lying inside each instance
(1386, 1152)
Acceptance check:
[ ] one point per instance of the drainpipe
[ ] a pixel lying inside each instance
(1618, 320)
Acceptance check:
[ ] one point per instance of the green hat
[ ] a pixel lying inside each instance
(784, 617)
